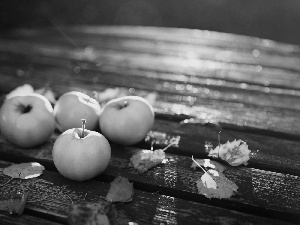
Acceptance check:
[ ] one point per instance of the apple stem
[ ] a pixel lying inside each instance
(83, 121)
(125, 103)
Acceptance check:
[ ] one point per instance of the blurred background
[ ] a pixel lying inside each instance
(277, 20)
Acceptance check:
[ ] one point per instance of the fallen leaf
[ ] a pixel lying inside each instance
(28, 89)
(121, 190)
(235, 152)
(48, 93)
(88, 213)
(20, 91)
(214, 184)
(17, 206)
(151, 98)
(24, 170)
(210, 164)
(145, 159)
(109, 94)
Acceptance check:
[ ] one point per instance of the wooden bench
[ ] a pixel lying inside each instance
(204, 84)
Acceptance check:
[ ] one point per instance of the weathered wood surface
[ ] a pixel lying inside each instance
(261, 94)
(24, 219)
(57, 193)
(262, 192)
(204, 82)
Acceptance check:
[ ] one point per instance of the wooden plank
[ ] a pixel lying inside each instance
(52, 194)
(197, 90)
(270, 153)
(159, 58)
(181, 35)
(260, 191)
(251, 62)
(237, 114)
(24, 219)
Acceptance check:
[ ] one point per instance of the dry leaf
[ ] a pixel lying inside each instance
(17, 206)
(235, 152)
(109, 94)
(48, 93)
(151, 98)
(214, 184)
(98, 213)
(28, 89)
(20, 91)
(24, 170)
(121, 190)
(210, 164)
(145, 159)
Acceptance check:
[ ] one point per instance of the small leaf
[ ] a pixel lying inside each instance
(17, 207)
(145, 159)
(24, 170)
(48, 93)
(121, 190)
(91, 213)
(20, 91)
(210, 164)
(151, 98)
(235, 152)
(214, 184)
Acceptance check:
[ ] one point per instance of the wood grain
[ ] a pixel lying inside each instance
(25, 219)
(57, 193)
(209, 88)
(263, 192)
(262, 94)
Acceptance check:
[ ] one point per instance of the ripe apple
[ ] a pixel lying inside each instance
(28, 120)
(81, 154)
(73, 106)
(126, 120)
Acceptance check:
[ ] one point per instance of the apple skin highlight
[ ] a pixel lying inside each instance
(126, 120)
(78, 158)
(27, 121)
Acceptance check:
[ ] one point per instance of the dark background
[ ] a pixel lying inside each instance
(272, 19)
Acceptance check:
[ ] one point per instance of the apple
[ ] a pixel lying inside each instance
(80, 154)
(126, 120)
(73, 106)
(27, 120)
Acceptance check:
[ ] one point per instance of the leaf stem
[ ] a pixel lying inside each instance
(172, 143)
(199, 165)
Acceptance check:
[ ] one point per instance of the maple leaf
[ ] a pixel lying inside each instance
(121, 190)
(91, 213)
(235, 152)
(145, 159)
(24, 170)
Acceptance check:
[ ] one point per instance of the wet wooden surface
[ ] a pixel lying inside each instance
(204, 83)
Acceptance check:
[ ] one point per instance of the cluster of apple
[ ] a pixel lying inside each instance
(80, 152)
